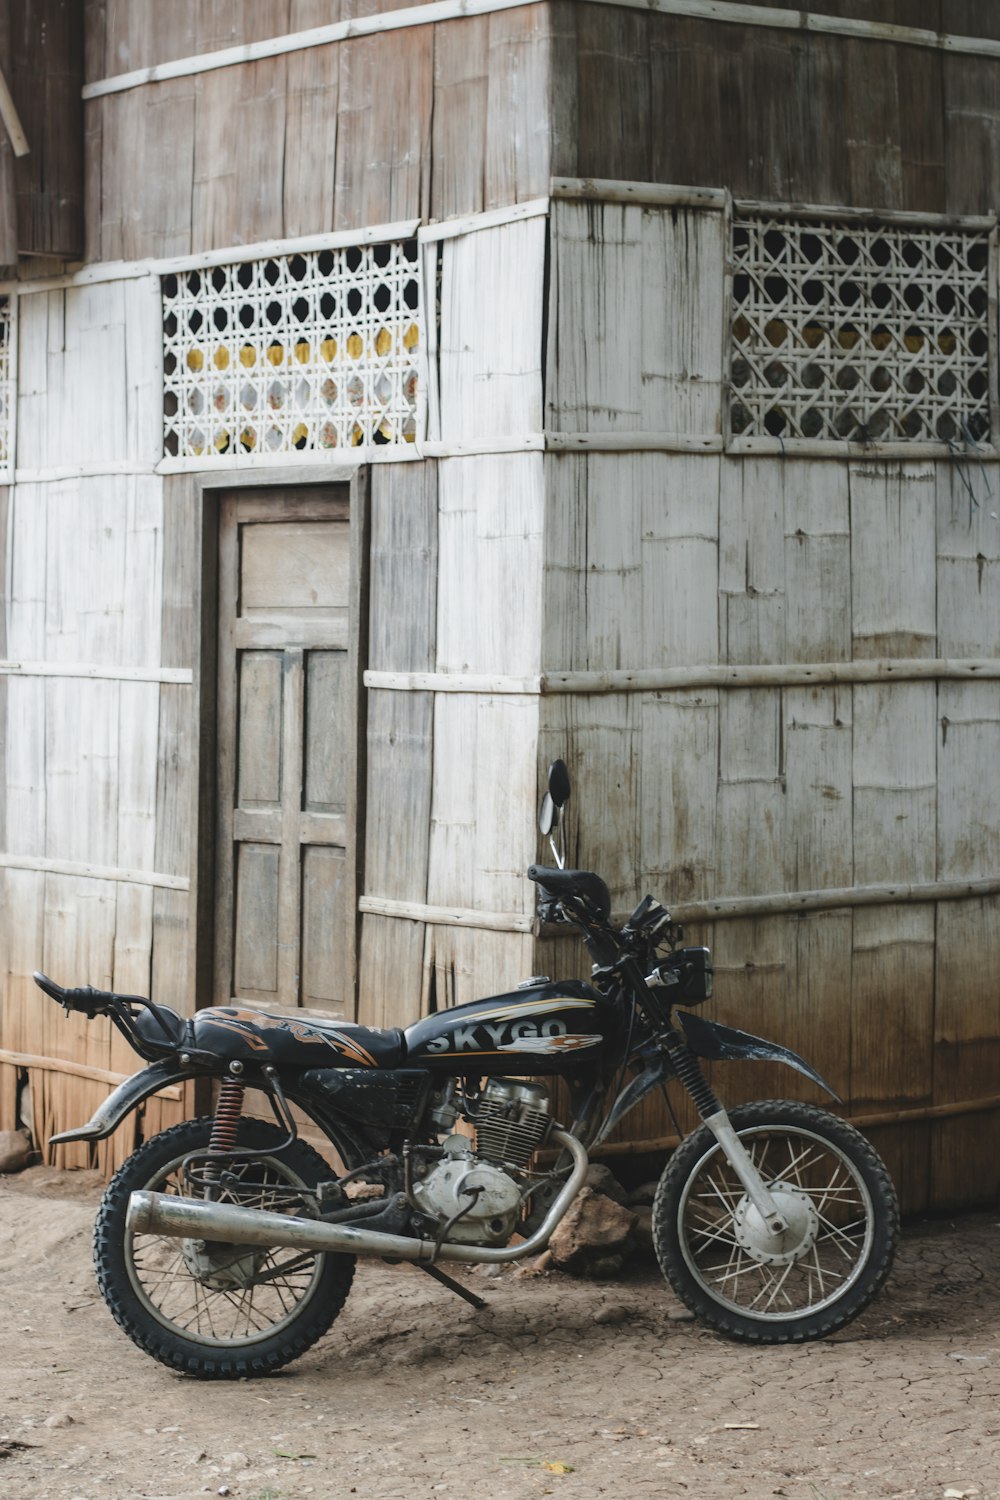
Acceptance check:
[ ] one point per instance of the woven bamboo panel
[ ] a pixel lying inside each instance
(317, 350)
(842, 330)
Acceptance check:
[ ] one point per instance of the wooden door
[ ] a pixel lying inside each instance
(287, 747)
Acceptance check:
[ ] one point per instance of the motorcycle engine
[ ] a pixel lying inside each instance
(478, 1184)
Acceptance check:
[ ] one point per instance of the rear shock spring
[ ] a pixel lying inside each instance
(688, 1070)
(227, 1117)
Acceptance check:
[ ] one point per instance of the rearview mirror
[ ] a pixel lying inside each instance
(555, 798)
(559, 782)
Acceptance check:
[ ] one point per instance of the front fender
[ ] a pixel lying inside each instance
(125, 1098)
(724, 1043)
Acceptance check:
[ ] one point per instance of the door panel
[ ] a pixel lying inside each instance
(326, 737)
(256, 947)
(287, 724)
(323, 891)
(259, 761)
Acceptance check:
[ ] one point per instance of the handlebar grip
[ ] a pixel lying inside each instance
(84, 998)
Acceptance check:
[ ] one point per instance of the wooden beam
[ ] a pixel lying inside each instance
(76, 1070)
(449, 229)
(93, 872)
(452, 682)
(789, 903)
(784, 903)
(651, 194)
(791, 674)
(682, 679)
(12, 123)
(122, 270)
(860, 1122)
(633, 442)
(724, 909)
(446, 916)
(181, 675)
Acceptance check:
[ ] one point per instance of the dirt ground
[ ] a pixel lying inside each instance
(562, 1387)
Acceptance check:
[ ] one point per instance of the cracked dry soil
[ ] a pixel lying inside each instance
(562, 1387)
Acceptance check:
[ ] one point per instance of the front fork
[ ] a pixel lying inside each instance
(688, 1070)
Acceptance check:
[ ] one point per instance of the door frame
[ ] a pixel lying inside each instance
(212, 490)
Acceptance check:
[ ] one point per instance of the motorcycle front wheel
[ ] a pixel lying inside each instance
(718, 1255)
(218, 1312)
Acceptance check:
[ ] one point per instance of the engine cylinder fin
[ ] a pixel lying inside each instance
(512, 1121)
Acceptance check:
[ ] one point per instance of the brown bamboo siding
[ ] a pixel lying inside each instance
(41, 193)
(418, 123)
(776, 115)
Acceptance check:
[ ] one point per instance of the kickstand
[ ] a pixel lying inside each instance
(452, 1285)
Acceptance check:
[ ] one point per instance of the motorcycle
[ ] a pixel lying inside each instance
(225, 1246)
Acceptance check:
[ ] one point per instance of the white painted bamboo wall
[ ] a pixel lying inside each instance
(101, 736)
(471, 755)
(498, 571)
(678, 559)
(83, 678)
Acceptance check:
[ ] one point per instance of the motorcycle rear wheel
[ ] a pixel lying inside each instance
(843, 1223)
(188, 1303)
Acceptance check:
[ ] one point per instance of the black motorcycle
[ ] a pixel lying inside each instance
(226, 1245)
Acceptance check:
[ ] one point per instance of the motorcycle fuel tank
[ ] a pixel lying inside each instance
(541, 1028)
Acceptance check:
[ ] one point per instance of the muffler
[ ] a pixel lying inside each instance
(194, 1219)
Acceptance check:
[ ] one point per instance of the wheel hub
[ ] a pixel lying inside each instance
(221, 1266)
(753, 1235)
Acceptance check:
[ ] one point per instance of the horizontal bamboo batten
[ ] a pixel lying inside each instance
(71, 1069)
(86, 871)
(681, 679)
(445, 916)
(101, 672)
(874, 1121)
(721, 909)
(787, 903)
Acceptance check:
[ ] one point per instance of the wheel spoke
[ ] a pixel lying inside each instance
(819, 1271)
(774, 1285)
(225, 1294)
(824, 1248)
(841, 1239)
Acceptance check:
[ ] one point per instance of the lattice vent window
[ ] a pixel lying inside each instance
(6, 388)
(293, 354)
(852, 332)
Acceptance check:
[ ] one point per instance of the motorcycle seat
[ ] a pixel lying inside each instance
(265, 1037)
(164, 1028)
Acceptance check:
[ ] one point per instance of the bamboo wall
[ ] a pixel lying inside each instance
(421, 123)
(456, 568)
(675, 560)
(94, 796)
(573, 516)
(800, 117)
(105, 630)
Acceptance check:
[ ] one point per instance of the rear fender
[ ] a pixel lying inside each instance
(724, 1044)
(125, 1098)
(355, 1144)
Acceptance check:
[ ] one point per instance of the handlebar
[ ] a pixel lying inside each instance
(151, 1038)
(84, 998)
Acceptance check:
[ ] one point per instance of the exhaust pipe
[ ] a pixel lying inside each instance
(194, 1219)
